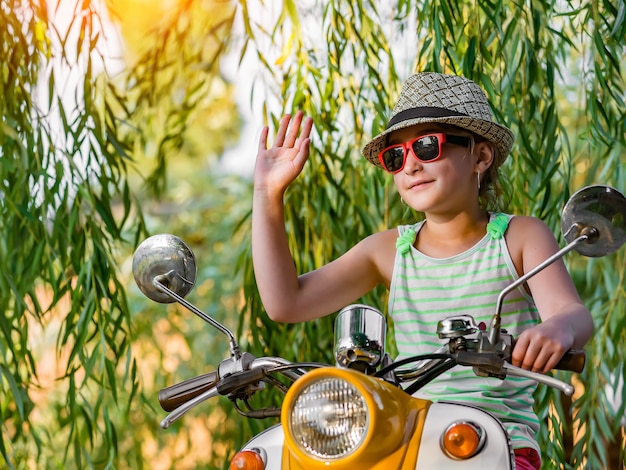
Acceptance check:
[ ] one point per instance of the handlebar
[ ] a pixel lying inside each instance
(573, 360)
(235, 378)
(484, 363)
(181, 397)
(172, 397)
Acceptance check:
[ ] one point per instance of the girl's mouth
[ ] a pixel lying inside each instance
(419, 184)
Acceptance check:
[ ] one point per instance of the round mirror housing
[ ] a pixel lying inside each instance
(600, 212)
(166, 259)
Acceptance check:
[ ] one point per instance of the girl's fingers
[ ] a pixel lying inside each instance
(525, 353)
(290, 130)
(552, 361)
(538, 356)
(263, 139)
(291, 141)
(519, 351)
(282, 131)
(306, 130)
(303, 153)
(292, 135)
(540, 361)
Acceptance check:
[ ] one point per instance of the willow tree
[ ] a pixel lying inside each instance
(554, 73)
(78, 129)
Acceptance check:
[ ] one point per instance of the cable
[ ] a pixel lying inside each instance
(408, 360)
(435, 372)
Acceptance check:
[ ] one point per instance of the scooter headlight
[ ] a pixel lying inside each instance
(329, 418)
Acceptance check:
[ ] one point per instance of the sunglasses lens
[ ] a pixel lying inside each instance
(426, 148)
(393, 158)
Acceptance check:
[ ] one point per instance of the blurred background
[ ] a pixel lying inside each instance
(126, 118)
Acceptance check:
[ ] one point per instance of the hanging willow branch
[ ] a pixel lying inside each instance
(70, 134)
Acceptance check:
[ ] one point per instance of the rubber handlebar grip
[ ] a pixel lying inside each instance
(573, 360)
(172, 397)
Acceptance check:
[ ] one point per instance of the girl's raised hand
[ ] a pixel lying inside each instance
(276, 167)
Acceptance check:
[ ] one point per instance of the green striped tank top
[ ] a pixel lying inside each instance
(425, 290)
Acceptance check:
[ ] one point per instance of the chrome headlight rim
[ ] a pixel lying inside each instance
(352, 406)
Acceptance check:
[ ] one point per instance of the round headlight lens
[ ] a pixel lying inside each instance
(329, 419)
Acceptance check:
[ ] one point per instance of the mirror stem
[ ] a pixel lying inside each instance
(494, 332)
(234, 347)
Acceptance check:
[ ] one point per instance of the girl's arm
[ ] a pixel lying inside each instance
(287, 297)
(566, 322)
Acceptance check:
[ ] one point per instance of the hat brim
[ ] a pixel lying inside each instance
(501, 137)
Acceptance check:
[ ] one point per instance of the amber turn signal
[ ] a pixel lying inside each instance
(462, 440)
(247, 460)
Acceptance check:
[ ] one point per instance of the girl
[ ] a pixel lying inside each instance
(443, 150)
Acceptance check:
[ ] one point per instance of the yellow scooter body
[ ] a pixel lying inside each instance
(402, 432)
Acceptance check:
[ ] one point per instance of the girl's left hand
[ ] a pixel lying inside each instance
(540, 348)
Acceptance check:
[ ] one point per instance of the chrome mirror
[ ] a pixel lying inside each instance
(166, 259)
(600, 212)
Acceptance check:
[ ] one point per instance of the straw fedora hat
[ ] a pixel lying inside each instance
(445, 99)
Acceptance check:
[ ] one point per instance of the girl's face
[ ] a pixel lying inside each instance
(448, 184)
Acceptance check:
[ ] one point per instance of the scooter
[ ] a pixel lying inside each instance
(360, 413)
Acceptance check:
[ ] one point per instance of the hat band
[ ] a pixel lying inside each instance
(423, 112)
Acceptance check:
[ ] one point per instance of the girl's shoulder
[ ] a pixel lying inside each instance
(522, 225)
(526, 234)
(376, 244)
(382, 237)
(380, 249)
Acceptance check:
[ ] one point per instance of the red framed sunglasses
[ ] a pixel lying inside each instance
(425, 148)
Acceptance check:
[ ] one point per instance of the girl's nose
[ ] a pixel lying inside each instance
(412, 164)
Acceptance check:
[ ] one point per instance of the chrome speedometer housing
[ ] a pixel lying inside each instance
(329, 418)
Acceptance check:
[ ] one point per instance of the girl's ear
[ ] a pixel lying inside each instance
(485, 155)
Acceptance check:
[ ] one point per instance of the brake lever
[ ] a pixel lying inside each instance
(235, 386)
(566, 388)
(239, 384)
(498, 367)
